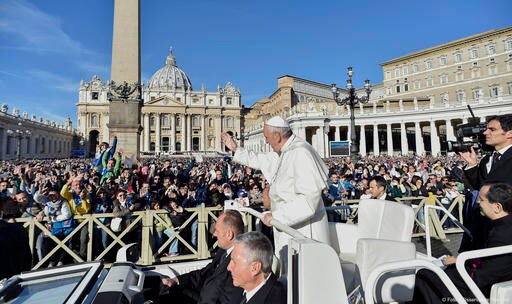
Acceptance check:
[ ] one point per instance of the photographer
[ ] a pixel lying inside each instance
(495, 167)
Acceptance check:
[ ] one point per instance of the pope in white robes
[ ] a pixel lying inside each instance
(297, 175)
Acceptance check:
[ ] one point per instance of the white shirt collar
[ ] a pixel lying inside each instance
(502, 151)
(228, 251)
(250, 294)
(383, 197)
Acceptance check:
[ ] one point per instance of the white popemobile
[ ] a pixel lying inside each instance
(373, 261)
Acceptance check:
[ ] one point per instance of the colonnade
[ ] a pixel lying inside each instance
(185, 131)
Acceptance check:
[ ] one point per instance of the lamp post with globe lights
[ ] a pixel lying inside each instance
(19, 134)
(352, 100)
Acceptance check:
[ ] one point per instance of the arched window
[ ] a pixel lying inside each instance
(152, 121)
(178, 121)
(165, 120)
(94, 121)
(229, 122)
(210, 123)
(195, 122)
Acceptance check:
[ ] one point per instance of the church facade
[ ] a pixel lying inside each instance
(175, 118)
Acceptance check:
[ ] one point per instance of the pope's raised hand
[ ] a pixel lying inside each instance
(229, 141)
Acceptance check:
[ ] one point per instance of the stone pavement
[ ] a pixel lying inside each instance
(439, 247)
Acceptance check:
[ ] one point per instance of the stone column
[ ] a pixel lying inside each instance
(434, 139)
(147, 139)
(3, 143)
(376, 149)
(337, 133)
(450, 135)
(184, 138)
(218, 132)
(403, 137)
(157, 133)
(420, 146)
(172, 148)
(189, 132)
(203, 133)
(389, 139)
(362, 141)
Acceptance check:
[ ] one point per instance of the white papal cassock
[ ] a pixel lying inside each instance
(297, 176)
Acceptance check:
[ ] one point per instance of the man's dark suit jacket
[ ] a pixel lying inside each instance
(486, 272)
(273, 292)
(500, 173)
(211, 284)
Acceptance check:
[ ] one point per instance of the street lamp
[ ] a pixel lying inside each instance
(352, 100)
(19, 134)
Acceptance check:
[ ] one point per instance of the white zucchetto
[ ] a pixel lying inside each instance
(277, 121)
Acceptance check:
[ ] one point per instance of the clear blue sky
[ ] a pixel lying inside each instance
(48, 46)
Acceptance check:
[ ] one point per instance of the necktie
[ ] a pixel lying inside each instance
(244, 299)
(495, 157)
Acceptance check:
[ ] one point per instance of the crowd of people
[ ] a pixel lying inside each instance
(292, 182)
(53, 191)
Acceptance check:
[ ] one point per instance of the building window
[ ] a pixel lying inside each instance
(459, 76)
(510, 87)
(229, 122)
(178, 121)
(94, 121)
(444, 97)
(398, 88)
(397, 72)
(229, 101)
(415, 68)
(461, 96)
(443, 79)
(405, 70)
(473, 53)
(476, 94)
(178, 99)
(388, 76)
(417, 84)
(508, 44)
(165, 120)
(195, 122)
(210, 123)
(428, 64)
(210, 101)
(494, 91)
(406, 87)
(95, 95)
(388, 91)
(491, 49)
(457, 57)
(430, 81)
(195, 100)
(493, 70)
(442, 60)
(475, 73)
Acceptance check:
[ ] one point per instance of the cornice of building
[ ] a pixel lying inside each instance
(449, 45)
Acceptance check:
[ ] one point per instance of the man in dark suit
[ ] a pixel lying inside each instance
(378, 188)
(495, 204)
(493, 168)
(250, 267)
(213, 283)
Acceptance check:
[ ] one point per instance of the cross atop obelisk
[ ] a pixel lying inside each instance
(125, 91)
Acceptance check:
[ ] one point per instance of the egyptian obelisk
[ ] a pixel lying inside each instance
(125, 91)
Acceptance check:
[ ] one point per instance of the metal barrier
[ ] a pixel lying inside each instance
(418, 202)
(142, 222)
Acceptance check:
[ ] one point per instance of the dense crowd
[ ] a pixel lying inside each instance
(53, 191)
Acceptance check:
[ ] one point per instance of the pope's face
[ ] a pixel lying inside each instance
(272, 138)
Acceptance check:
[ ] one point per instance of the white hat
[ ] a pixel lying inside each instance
(277, 121)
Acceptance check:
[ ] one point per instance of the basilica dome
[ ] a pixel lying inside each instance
(170, 77)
